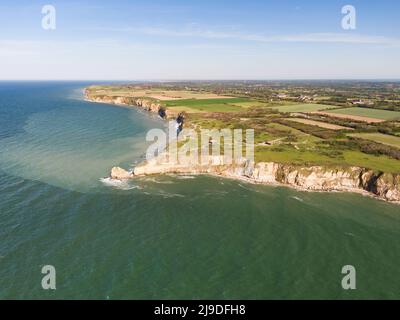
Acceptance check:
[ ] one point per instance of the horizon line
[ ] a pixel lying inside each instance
(205, 79)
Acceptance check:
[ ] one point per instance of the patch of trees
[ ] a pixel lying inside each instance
(313, 130)
(359, 125)
(368, 147)
(388, 127)
(382, 105)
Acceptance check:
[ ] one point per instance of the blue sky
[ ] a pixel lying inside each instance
(202, 39)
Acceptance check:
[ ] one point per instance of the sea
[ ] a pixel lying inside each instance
(166, 237)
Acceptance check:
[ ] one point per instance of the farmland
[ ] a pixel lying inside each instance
(319, 124)
(367, 113)
(349, 117)
(208, 105)
(306, 107)
(293, 123)
(154, 93)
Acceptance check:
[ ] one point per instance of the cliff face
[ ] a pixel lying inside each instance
(385, 186)
(146, 104)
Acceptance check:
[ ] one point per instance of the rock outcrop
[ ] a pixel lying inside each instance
(121, 174)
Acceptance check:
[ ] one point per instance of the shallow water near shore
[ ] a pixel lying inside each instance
(166, 237)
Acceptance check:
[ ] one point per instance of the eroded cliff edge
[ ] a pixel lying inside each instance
(146, 104)
(385, 186)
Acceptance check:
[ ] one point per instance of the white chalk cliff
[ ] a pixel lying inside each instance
(385, 186)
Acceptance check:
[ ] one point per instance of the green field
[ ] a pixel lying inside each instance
(379, 137)
(281, 139)
(305, 107)
(368, 112)
(250, 104)
(208, 105)
(309, 157)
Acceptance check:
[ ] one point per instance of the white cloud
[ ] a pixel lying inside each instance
(129, 59)
(10, 48)
(349, 38)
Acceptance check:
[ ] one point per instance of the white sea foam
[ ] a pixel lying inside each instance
(185, 177)
(154, 180)
(297, 198)
(119, 184)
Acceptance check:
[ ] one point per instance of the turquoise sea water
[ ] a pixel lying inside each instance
(165, 236)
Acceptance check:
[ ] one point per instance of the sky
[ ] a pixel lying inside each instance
(199, 39)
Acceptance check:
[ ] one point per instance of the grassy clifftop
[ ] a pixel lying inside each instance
(321, 140)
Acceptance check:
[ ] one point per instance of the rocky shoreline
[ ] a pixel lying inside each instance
(385, 186)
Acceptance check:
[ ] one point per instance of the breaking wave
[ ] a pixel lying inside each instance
(119, 184)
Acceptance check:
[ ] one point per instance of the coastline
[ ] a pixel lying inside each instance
(379, 185)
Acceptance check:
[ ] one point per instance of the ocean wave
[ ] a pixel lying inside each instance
(160, 193)
(349, 234)
(297, 198)
(154, 180)
(169, 195)
(119, 184)
(184, 177)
